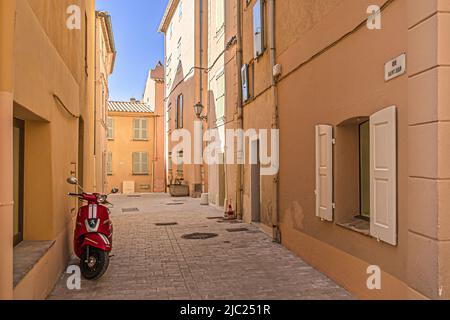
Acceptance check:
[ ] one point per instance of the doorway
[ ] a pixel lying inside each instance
(255, 181)
(18, 184)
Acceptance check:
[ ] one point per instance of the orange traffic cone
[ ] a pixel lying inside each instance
(229, 214)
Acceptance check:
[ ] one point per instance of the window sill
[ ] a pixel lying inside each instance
(141, 140)
(26, 255)
(140, 174)
(357, 224)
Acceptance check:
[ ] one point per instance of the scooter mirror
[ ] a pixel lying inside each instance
(114, 190)
(72, 180)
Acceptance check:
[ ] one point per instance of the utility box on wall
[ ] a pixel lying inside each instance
(128, 187)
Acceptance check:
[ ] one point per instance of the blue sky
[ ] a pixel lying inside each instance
(139, 45)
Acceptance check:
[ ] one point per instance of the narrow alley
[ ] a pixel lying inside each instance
(151, 260)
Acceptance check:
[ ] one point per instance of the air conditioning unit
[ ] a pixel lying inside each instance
(128, 187)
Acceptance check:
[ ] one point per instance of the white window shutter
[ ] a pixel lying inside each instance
(324, 172)
(258, 28)
(244, 76)
(144, 129)
(383, 175)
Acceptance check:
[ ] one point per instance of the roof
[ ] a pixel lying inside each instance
(168, 14)
(129, 106)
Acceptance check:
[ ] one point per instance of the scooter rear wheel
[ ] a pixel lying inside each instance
(94, 263)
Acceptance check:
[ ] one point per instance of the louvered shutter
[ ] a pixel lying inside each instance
(144, 129)
(135, 129)
(383, 175)
(144, 163)
(324, 172)
(136, 163)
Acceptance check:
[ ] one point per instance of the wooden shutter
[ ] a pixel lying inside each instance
(144, 129)
(244, 77)
(110, 125)
(324, 172)
(109, 164)
(136, 126)
(383, 175)
(136, 163)
(144, 163)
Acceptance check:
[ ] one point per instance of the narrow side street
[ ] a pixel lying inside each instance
(155, 262)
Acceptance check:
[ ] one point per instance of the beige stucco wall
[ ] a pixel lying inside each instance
(104, 67)
(49, 62)
(185, 78)
(122, 147)
(154, 96)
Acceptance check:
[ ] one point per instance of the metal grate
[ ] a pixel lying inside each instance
(237, 230)
(166, 224)
(128, 210)
(199, 236)
(134, 196)
(174, 204)
(214, 218)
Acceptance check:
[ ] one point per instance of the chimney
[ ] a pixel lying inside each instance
(133, 100)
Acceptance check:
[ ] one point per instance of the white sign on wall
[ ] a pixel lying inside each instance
(395, 68)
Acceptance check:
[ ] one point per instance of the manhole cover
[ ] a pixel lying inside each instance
(174, 204)
(199, 236)
(127, 210)
(166, 224)
(214, 218)
(237, 230)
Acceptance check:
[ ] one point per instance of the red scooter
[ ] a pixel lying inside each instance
(93, 233)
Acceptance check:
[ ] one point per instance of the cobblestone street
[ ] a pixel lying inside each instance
(155, 262)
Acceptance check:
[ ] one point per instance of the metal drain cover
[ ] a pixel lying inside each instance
(199, 236)
(214, 218)
(174, 204)
(237, 230)
(166, 224)
(126, 210)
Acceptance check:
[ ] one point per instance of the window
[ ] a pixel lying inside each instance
(179, 113)
(18, 183)
(258, 28)
(110, 128)
(364, 168)
(245, 83)
(109, 170)
(180, 11)
(140, 129)
(356, 174)
(140, 163)
(220, 98)
(220, 16)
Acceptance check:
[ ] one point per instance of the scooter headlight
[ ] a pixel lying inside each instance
(101, 198)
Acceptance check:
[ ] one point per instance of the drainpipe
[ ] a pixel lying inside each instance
(7, 21)
(240, 115)
(275, 120)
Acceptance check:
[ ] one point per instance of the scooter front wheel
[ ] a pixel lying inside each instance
(94, 263)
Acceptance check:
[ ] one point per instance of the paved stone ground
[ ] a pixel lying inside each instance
(154, 263)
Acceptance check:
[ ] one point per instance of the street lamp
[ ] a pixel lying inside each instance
(198, 109)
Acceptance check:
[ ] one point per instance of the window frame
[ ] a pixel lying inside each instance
(140, 129)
